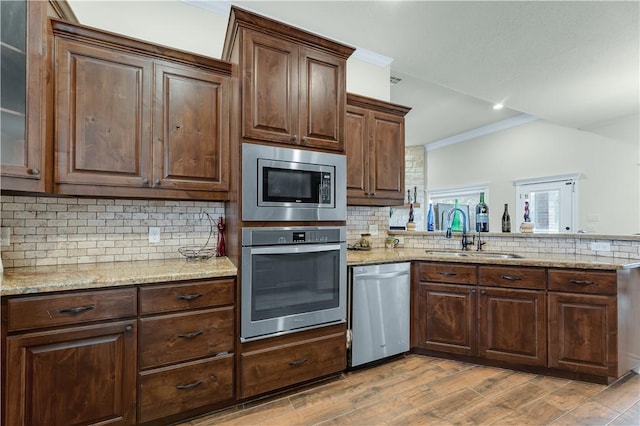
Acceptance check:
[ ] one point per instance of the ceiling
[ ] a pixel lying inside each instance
(576, 64)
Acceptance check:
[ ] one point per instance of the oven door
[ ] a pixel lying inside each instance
(291, 288)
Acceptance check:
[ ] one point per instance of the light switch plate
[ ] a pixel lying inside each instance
(373, 229)
(600, 246)
(154, 234)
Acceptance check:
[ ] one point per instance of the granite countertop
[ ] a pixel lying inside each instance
(41, 279)
(382, 255)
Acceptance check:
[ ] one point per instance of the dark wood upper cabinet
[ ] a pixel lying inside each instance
(374, 144)
(26, 95)
(138, 120)
(292, 83)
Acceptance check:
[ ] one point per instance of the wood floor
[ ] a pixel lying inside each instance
(418, 390)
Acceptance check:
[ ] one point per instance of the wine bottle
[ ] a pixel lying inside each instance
(506, 219)
(431, 226)
(482, 215)
(456, 223)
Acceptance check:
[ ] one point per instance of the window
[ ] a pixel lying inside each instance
(444, 200)
(552, 203)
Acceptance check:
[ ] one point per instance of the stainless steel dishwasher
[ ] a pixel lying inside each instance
(379, 312)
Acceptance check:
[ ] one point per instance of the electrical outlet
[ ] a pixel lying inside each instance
(154, 235)
(601, 246)
(373, 230)
(5, 237)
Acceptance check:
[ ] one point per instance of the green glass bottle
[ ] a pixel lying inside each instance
(456, 222)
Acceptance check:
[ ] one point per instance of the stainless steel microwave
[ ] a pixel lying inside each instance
(285, 184)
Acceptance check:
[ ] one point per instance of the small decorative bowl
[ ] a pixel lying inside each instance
(197, 252)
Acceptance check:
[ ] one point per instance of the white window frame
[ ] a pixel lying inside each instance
(456, 192)
(567, 185)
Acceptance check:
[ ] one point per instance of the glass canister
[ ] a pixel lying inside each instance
(365, 240)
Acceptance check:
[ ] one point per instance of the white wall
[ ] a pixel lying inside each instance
(368, 80)
(609, 186)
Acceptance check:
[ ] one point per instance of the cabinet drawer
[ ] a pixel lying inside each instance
(178, 297)
(448, 273)
(172, 390)
(513, 276)
(73, 308)
(273, 368)
(578, 281)
(185, 336)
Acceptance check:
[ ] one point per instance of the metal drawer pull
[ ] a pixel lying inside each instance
(511, 277)
(581, 282)
(448, 274)
(190, 385)
(189, 296)
(191, 335)
(298, 363)
(76, 310)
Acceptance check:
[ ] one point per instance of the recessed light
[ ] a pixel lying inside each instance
(498, 106)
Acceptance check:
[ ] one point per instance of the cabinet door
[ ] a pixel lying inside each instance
(26, 88)
(191, 129)
(386, 163)
(447, 318)
(270, 89)
(322, 100)
(357, 152)
(82, 375)
(513, 325)
(102, 116)
(583, 333)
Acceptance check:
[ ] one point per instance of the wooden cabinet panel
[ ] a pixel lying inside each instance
(357, 152)
(447, 318)
(448, 273)
(171, 390)
(387, 161)
(270, 88)
(513, 276)
(273, 368)
(183, 296)
(322, 99)
(374, 144)
(82, 375)
(513, 325)
(102, 115)
(191, 129)
(62, 309)
(185, 336)
(583, 333)
(579, 281)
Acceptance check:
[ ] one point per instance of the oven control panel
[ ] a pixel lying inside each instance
(276, 236)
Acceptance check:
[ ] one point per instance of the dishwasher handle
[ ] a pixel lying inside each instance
(382, 275)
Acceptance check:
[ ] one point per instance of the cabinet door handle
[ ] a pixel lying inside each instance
(189, 296)
(34, 171)
(145, 181)
(298, 362)
(483, 292)
(304, 139)
(76, 310)
(581, 282)
(448, 274)
(191, 335)
(294, 138)
(157, 181)
(128, 328)
(473, 291)
(511, 277)
(189, 386)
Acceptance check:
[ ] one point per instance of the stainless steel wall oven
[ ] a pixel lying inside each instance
(292, 279)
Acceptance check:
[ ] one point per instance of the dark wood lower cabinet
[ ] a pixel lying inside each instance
(513, 325)
(447, 318)
(583, 333)
(74, 376)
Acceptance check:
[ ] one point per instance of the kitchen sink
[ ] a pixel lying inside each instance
(490, 255)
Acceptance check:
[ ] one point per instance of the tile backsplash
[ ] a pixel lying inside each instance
(58, 230)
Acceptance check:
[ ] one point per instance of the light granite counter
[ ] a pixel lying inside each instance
(534, 259)
(41, 279)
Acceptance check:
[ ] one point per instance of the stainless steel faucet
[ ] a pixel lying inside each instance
(464, 241)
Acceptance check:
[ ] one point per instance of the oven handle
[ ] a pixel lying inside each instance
(316, 248)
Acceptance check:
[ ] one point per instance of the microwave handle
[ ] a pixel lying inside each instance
(316, 248)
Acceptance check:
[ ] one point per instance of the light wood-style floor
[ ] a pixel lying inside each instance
(419, 390)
